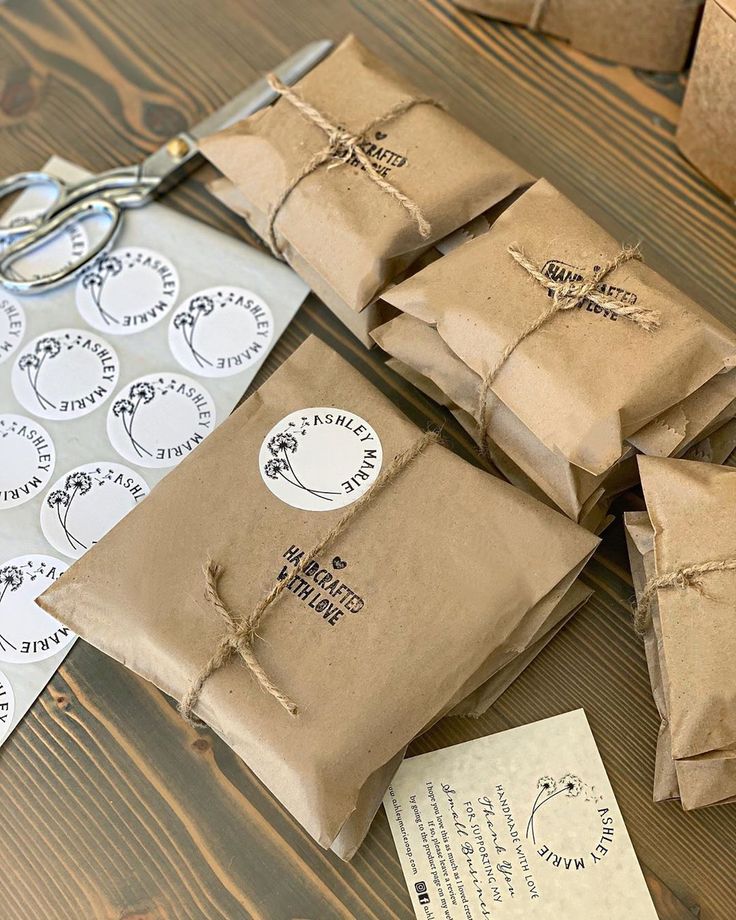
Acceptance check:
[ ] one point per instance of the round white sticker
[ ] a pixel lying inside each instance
(82, 506)
(65, 374)
(26, 632)
(160, 418)
(61, 251)
(320, 459)
(221, 331)
(7, 706)
(127, 290)
(12, 325)
(27, 458)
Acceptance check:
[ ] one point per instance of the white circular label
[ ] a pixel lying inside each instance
(320, 459)
(7, 706)
(127, 290)
(82, 506)
(26, 632)
(12, 325)
(65, 374)
(27, 459)
(221, 331)
(160, 418)
(61, 251)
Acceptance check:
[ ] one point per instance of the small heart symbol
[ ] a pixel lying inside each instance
(338, 563)
(380, 135)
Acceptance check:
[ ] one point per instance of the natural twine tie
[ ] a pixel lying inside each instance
(342, 147)
(689, 576)
(538, 10)
(242, 633)
(567, 296)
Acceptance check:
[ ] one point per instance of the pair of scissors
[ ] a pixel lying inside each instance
(109, 193)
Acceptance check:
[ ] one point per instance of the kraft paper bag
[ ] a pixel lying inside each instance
(441, 563)
(420, 346)
(651, 34)
(706, 132)
(689, 634)
(337, 228)
(586, 379)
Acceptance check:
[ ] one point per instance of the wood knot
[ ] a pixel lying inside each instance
(202, 745)
(163, 120)
(19, 95)
(62, 701)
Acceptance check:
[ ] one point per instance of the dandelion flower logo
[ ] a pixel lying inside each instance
(27, 459)
(127, 290)
(26, 632)
(159, 419)
(319, 459)
(221, 331)
(94, 280)
(32, 363)
(83, 505)
(65, 374)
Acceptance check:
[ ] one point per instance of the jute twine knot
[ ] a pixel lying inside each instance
(241, 634)
(538, 10)
(343, 147)
(567, 295)
(689, 576)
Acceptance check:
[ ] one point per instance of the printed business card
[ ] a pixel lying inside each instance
(522, 824)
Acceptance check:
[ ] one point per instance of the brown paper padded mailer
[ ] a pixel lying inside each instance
(337, 228)
(585, 380)
(451, 563)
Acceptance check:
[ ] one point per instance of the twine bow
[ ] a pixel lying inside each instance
(567, 295)
(342, 147)
(241, 634)
(689, 576)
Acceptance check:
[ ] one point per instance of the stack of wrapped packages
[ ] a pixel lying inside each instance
(683, 560)
(353, 176)
(564, 354)
(320, 582)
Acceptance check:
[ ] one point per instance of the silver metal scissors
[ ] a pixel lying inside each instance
(109, 193)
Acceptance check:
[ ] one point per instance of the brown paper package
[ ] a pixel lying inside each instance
(455, 567)
(651, 34)
(706, 133)
(585, 380)
(690, 640)
(337, 228)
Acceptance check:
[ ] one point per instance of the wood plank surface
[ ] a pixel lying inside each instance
(112, 806)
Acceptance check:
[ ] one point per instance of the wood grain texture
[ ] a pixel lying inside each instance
(113, 807)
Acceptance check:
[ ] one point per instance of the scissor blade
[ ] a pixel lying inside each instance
(260, 94)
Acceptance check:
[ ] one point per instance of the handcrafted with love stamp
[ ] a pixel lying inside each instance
(563, 273)
(221, 331)
(160, 418)
(127, 290)
(82, 506)
(27, 458)
(319, 459)
(64, 374)
(26, 632)
(12, 325)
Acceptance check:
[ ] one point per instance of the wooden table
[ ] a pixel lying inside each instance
(111, 806)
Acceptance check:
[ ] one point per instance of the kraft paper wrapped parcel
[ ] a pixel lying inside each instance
(347, 237)
(432, 596)
(688, 628)
(587, 389)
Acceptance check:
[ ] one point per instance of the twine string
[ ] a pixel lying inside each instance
(241, 634)
(342, 147)
(567, 295)
(689, 576)
(538, 10)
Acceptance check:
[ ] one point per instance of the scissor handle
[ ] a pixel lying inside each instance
(43, 231)
(19, 183)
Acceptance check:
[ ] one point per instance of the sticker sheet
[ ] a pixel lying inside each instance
(106, 383)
